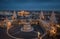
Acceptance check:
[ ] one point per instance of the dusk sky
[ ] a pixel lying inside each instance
(29, 5)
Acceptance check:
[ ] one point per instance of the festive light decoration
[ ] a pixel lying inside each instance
(48, 26)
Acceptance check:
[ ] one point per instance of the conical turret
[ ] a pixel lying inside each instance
(14, 16)
(53, 18)
(41, 15)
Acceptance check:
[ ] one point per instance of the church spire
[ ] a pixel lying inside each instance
(41, 15)
(53, 18)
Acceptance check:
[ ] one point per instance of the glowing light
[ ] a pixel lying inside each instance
(8, 25)
(53, 31)
(20, 13)
(38, 34)
(23, 13)
(58, 26)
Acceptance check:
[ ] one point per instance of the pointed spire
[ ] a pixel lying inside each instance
(53, 18)
(14, 15)
(41, 15)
